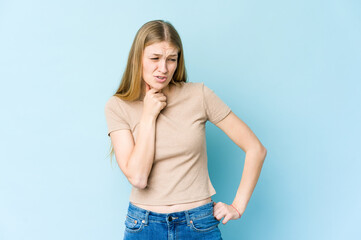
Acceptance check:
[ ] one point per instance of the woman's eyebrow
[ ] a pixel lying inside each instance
(162, 55)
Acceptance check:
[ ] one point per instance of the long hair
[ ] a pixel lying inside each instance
(151, 32)
(155, 31)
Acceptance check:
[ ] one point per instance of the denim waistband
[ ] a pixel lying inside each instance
(194, 213)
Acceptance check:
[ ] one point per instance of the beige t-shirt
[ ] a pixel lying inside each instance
(179, 173)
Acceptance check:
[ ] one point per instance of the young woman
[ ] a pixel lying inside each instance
(156, 122)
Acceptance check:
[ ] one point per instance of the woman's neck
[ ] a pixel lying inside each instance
(165, 91)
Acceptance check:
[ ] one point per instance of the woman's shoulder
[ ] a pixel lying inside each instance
(115, 102)
(193, 85)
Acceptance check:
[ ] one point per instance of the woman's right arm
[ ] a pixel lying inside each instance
(136, 159)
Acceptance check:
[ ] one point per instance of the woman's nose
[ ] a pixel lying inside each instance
(163, 66)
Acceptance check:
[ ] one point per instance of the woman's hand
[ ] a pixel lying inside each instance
(154, 101)
(224, 210)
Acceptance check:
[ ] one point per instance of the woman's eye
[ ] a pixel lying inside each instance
(168, 59)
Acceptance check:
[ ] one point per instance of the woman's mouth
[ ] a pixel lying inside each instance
(161, 79)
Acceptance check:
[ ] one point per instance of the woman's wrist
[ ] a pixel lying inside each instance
(236, 210)
(148, 118)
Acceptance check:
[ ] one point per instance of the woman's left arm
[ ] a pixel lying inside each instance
(256, 153)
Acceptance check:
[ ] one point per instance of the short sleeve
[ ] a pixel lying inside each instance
(216, 110)
(115, 116)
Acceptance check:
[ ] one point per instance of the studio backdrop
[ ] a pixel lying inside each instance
(289, 69)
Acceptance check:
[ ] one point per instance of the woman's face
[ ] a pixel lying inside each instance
(159, 64)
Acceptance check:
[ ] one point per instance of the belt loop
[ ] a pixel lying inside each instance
(146, 217)
(187, 217)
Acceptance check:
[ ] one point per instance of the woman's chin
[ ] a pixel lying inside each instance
(158, 86)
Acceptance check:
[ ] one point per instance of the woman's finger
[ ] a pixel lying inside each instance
(220, 215)
(162, 98)
(226, 219)
(147, 87)
(216, 205)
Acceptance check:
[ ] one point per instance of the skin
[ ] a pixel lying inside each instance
(256, 153)
(135, 160)
(159, 59)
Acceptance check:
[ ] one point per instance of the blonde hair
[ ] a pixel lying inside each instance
(155, 31)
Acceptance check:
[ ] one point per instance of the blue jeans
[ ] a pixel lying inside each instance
(196, 223)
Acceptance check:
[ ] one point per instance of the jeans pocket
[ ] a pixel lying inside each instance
(133, 224)
(205, 223)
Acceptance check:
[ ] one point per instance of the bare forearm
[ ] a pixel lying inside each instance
(141, 160)
(252, 168)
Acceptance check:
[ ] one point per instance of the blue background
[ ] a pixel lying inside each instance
(289, 69)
